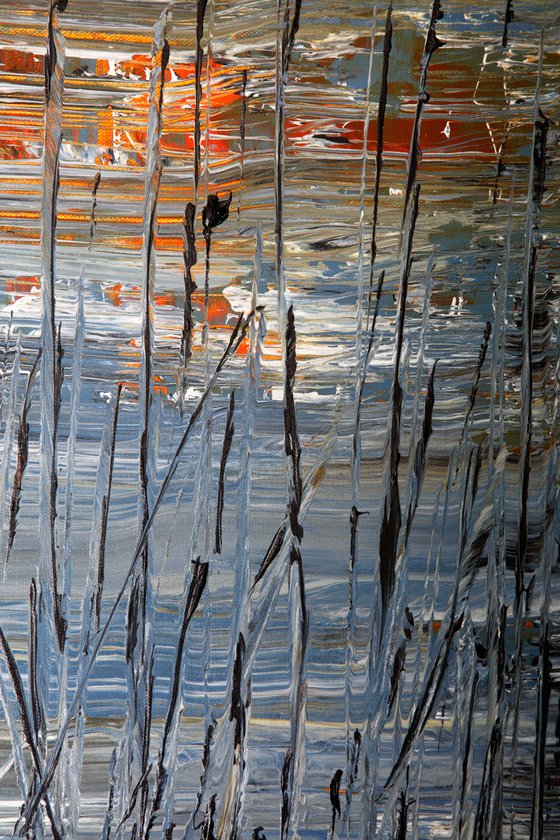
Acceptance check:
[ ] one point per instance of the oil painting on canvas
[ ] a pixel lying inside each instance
(279, 310)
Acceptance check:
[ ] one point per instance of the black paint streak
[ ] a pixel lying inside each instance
(357, 746)
(509, 17)
(51, 54)
(398, 667)
(208, 826)
(391, 521)
(56, 348)
(402, 817)
(237, 713)
(228, 438)
(338, 139)
(36, 710)
(94, 191)
(476, 381)
(402, 821)
(334, 793)
(387, 46)
(354, 517)
(237, 707)
(293, 455)
(272, 552)
(189, 259)
(205, 765)
(539, 173)
(431, 44)
(200, 13)
(288, 37)
(490, 775)
(291, 440)
(132, 804)
(420, 460)
(132, 621)
(59, 620)
(284, 780)
(400, 658)
(22, 457)
(214, 213)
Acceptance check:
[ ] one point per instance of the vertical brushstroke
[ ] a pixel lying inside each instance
(391, 519)
(22, 458)
(199, 58)
(402, 817)
(242, 133)
(94, 191)
(299, 615)
(419, 462)
(51, 371)
(382, 107)
(532, 242)
(509, 17)
(237, 714)
(284, 45)
(228, 438)
(75, 386)
(37, 714)
(461, 801)
(431, 44)
(476, 381)
(189, 260)
(334, 793)
(11, 429)
(105, 505)
(198, 583)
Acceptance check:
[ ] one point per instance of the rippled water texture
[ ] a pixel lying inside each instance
(279, 311)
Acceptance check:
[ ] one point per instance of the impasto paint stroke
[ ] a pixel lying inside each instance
(279, 311)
